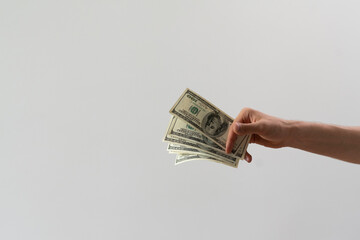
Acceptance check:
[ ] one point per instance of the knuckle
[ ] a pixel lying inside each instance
(247, 110)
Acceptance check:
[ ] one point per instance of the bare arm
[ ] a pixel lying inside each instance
(329, 140)
(338, 142)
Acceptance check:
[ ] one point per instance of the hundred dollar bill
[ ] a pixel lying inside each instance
(181, 129)
(216, 153)
(208, 119)
(181, 158)
(181, 149)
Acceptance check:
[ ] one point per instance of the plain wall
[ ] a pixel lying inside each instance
(85, 93)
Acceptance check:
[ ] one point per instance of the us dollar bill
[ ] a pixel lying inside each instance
(181, 158)
(181, 149)
(208, 119)
(202, 148)
(180, 129)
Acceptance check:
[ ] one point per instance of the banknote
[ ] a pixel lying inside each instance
(181, 149)
(181, 129)
(203, 148)
(181, 158)
(208, 119)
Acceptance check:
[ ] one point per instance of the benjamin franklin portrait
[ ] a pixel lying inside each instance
(213, 126)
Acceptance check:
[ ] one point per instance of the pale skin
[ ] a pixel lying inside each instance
(339, 142)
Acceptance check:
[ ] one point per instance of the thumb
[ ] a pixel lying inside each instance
(246, 128)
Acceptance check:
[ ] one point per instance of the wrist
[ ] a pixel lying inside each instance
(291, 132)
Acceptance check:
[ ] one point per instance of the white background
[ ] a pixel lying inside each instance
(85, 90)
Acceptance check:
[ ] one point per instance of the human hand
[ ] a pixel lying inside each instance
(266, 130)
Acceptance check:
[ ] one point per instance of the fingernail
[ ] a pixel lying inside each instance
(237, 126)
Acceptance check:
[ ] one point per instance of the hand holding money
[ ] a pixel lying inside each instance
(266, 130)
(198, 130)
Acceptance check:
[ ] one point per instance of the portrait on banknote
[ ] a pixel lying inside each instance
(213, 125)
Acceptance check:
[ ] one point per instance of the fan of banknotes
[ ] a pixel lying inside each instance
(198, 131)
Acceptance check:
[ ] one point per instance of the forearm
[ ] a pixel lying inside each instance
(329, 140)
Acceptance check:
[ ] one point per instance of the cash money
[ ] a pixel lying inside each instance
(179, 149)
(180, 129)
(202, 148)
(198, 130)
(181, 158)
(208, 119)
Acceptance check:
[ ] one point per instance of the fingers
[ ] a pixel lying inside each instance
(241, 129)
(247, 128)
(245, 123)
(244, 117)
(248, 157)
(230, 142)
